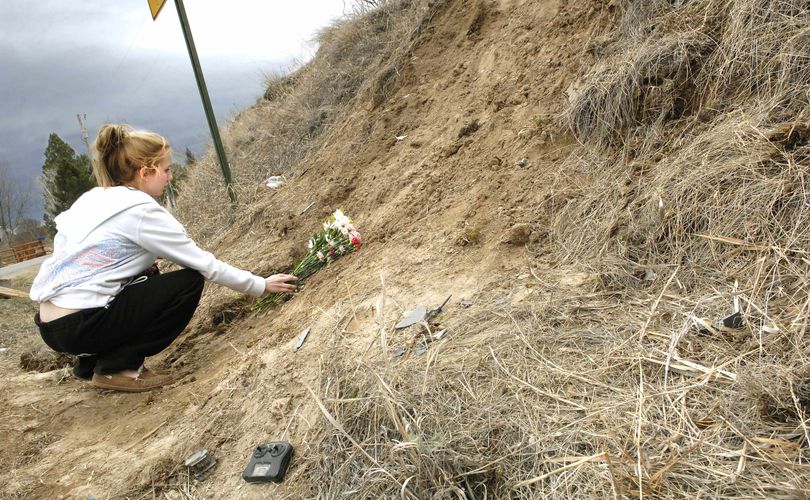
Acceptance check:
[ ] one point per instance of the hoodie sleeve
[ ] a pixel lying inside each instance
(161, 234)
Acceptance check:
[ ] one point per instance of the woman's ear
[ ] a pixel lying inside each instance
(144, 172)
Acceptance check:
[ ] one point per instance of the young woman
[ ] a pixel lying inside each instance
(99, 294)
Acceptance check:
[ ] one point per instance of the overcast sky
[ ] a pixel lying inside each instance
(110, 61)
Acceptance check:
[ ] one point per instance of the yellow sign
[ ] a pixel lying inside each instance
(155, 6)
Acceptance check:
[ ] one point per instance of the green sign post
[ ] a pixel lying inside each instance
(155, 6)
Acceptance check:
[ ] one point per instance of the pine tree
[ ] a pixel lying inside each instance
(65, 177)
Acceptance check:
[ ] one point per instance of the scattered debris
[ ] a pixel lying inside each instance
(201, 463)
(274, 181)
(734, 320)
(464, 303)
(302, 337)
(411, 317)
(435, 312)
(703, 328)
(269, 462)
(522, 162)
(398, 352)
(400, 137)
(420, 350)
(500, 302)
(649, 275)
(438, 335)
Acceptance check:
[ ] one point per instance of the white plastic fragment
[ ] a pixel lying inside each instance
(412, 317)
(274, 181)
(302, 337)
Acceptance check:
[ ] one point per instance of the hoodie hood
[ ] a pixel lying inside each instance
(84, 215)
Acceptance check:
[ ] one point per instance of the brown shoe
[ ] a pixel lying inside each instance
(145, 382)
(146, 373)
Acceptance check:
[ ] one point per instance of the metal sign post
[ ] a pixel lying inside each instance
(155, 6)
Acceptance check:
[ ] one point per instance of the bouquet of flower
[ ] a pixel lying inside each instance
(337, 238)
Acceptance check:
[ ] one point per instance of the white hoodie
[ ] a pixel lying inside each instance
(110, 235)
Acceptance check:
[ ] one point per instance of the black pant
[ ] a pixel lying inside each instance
(142, 320)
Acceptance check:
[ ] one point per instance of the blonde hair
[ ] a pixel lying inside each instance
(121, 151)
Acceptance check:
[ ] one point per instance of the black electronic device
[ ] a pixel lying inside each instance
(268, 462)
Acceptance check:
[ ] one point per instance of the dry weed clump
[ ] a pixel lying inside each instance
(579, 396)
(697, 192)
(280, 131)
(719, 189)
(677, 58)
(652, 84)
(693, 205)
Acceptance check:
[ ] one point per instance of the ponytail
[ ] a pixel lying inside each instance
(122, 151)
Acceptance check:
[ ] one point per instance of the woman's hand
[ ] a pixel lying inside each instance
(277, 283)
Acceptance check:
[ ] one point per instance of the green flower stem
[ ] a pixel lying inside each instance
(310, 264)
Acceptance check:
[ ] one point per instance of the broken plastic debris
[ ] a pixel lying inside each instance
(200, 463)
(401, 137)
(649, 275)
(399, 351)
(412, 317)
(702, 326)
(465, 303)
(438, 335)
(435, 312)
(734, 320)
(301, 338)
(274, 181)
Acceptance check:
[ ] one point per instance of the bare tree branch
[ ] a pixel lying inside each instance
(14, 201)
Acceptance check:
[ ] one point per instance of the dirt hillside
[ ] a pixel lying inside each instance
(594, 184)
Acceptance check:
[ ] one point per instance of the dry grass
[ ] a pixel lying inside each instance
(693, 204)
(570, 397)
(277, 134)
(715, 186)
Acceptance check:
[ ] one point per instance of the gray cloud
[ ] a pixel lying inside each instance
(110, 61)
(42, 93)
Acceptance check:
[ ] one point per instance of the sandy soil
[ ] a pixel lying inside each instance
(442, 178)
